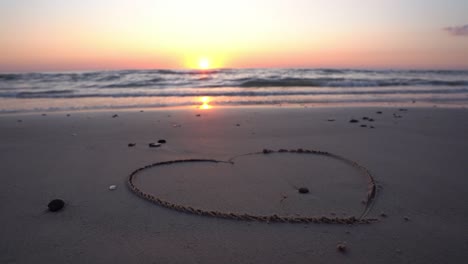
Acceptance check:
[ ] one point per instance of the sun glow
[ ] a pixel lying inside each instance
(204, 64)
(205, 100)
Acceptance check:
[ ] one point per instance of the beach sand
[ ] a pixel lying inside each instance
(417, 156)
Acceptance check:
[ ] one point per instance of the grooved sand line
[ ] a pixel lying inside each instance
(371, 194)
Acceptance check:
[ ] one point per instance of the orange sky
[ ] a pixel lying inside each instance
(122, 34)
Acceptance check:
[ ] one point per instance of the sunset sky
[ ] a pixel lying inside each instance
(41, 35)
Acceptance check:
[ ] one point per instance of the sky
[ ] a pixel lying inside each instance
(47, 35)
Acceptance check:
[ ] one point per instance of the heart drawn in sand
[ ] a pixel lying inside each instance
(266, 186)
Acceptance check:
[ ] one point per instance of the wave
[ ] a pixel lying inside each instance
(230, 93)
(347, 82)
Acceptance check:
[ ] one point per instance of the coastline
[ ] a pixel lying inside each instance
(418, 161)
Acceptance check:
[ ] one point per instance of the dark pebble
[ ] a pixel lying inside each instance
(341, 247)
(154, 145)
(237, 124)
(114, 116)
(379, 112)
(371, 120)
(365, 118)
(198, 115)
(162, 141)
(363, 125)
(267, 151)
(131, 144)
(56, 205)
(331, 120)
(303, 190)
(354, 121)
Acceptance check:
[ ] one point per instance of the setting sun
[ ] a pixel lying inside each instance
(204, 63)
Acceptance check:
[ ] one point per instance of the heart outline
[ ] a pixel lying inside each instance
(371, 194)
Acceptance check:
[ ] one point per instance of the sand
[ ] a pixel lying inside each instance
(418, 160)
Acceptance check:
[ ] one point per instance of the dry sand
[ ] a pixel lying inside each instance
(419, 162)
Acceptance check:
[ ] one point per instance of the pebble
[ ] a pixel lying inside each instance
(112, 187)
(162, 141)
(303, 190)
(363, 125)
(267, 151)
(379, 112)
(341, 247)
(383, 214)
(131, 144)
(353, 121)
(198, 115)
(56, 205)
(237, 124)
(331, 120)
(406, 218)
(154, 145)
(114, 116)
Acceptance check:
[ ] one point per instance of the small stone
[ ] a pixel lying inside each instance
(114, 116)
(403, 109)
(44, 114)
(19, 120)
(372, 127)
(406, 218)
(267, 151)
(131, 144)
(383, 214)
(303, 190)
(363, 125)
(371, 120)
(237, 124)
(162, 141)
(354, 121)
(331, 120)
(56, 205)
(198, 115)
(379, 112)
(68, 115)
(112, 187)
(341, 247)
(154, 145)
(365, 118)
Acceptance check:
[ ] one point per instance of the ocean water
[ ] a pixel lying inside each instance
(65, 91)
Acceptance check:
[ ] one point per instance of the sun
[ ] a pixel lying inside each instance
(204, 63)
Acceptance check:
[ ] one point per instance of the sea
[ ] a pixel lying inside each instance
(159, 88)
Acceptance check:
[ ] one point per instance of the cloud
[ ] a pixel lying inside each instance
(458, 30)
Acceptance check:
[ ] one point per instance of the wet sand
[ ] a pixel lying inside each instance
(417, 156)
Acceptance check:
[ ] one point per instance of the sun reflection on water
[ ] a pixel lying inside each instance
(205, 100)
